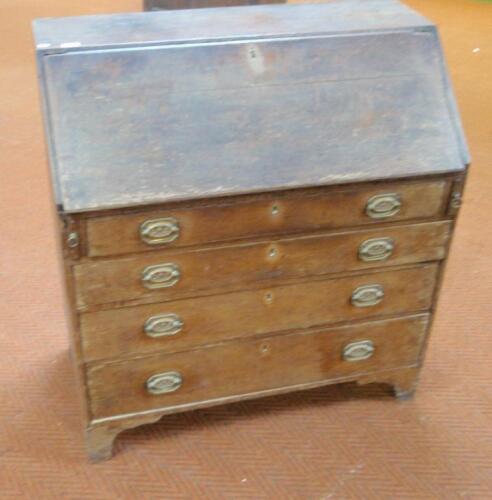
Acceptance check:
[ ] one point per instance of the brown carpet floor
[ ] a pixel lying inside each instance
(333, 443)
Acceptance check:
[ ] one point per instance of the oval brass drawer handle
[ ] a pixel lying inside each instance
(376, 249)
(159, 231)
(163, 325)
(383, 205)
(367, 295)
(160, 276)
(164, 383)
(358, 351)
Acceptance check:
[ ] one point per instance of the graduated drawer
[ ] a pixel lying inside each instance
(251, 366)
(182, 324)
(170, 275)
(246, 217)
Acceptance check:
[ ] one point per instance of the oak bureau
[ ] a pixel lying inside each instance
(252, 200)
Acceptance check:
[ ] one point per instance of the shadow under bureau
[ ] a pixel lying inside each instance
(251, 200)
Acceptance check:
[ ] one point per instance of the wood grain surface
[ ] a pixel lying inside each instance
(277, 213)
(253, 365)
(120, 332)
(233, 267)
(263, 114)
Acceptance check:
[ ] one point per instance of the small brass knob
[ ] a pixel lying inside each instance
(376, 249)
(160, 276)
(163, 325)
(159, 231)
(164, 383)
(382, 206)
(358, 351)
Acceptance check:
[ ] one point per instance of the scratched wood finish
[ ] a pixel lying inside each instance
(261, 115)
(233, 267)
(120, 333)
(278, 213)
(244, 367)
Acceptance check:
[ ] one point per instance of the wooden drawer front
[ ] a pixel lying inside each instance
(281, 213)
(174, 326)
(212, 270)
(250, 366)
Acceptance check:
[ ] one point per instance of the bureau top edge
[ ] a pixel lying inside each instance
(227, 23)
(216, 198)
